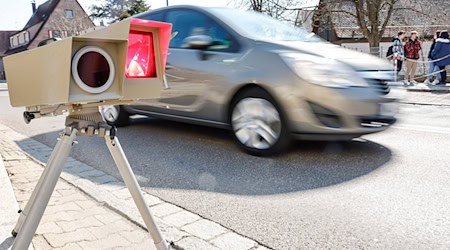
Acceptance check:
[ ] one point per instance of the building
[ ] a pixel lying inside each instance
(4, 45)
(52, 19)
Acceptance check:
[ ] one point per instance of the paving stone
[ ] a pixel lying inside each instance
(152, 200)
(49, 227)
(164, 209)
(86, 204)
(40, 243)
(66, 192)
(181, 218)
(194, 243)
(122, 194)
(67, 206)
(114, 240)
(115, 227)
(70, 246)
(233, 241)
(77, 224)
(108, 218)
(136, 236)
(204, 229)
(261, 248)
(59, 240)
(68, 198)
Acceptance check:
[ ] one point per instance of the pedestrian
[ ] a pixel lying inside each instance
(441, 54)
(397, 47)
(412, 48)
(432, 65)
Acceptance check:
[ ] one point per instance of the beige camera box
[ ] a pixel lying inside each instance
(129, 61)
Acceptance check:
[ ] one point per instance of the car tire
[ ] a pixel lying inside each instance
(116, 115)
(258, 123)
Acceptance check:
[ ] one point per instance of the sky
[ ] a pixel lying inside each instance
(15, 13)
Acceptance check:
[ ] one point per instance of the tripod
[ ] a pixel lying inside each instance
(83, 122)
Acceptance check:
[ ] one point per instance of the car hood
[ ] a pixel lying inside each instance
(357, 60)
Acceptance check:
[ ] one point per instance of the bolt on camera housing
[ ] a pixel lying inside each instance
(119, 64)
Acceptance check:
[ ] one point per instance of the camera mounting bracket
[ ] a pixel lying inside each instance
(80, 122)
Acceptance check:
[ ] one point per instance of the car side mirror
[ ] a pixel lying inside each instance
(201, 42)
(48, 41)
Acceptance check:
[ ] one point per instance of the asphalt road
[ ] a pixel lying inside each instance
(387, 190)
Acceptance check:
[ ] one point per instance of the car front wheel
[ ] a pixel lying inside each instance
(115, 115)
(258, 124)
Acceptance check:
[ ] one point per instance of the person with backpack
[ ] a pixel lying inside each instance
(412, 48)
(397, 47)
(441, 54)
(432, 65)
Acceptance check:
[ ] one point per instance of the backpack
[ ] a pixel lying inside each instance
(390, 51)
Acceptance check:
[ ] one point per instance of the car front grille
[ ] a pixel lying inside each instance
(379, 80)
(381, 86)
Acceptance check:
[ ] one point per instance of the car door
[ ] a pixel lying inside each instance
(193, 74)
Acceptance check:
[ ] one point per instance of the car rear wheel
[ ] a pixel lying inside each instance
(115, 115)
(258, 123)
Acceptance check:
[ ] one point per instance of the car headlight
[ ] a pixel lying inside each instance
(323, 71)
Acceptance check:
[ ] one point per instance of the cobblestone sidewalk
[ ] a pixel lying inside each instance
(92, 210)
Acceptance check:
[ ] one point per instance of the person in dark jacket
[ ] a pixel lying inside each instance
(397, 47)
(432, 66)
(441, 54)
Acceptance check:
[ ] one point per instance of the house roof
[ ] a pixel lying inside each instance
(42, 13)
(39, 17)
(4, 40)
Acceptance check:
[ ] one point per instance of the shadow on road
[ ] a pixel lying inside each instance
(170, 155)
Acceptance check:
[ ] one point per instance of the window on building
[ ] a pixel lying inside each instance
(69, 14)
(11, 42)
(26, 37)
(19, 40)
(56, 34)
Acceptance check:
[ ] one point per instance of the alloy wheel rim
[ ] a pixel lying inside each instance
(110, 113)
(256, 123)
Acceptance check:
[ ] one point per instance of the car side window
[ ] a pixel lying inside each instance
(188, 23)
(158, 16)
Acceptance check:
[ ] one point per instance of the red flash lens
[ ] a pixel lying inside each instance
(140, 55)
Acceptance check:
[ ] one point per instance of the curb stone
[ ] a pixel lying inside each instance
(8, 209)
(112, 192)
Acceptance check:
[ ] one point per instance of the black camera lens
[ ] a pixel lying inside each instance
(93, 69)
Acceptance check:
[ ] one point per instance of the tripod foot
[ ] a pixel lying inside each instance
(13, 233)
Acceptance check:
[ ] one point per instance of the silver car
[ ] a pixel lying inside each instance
(267, 81)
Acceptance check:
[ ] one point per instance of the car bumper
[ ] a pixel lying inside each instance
(339, 114)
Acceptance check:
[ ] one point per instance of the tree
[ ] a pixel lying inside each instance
(279, 9)
(136, 7)
(115, 10)
(372, 17)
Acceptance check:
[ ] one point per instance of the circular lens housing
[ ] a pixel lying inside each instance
(93, 69)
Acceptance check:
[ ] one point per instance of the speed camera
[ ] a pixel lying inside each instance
(117, 64)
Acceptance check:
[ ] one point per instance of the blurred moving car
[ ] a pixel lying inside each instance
(267, 81)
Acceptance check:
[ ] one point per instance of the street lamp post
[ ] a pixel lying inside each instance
(167, 2)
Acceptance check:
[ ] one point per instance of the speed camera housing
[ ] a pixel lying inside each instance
(118, 64)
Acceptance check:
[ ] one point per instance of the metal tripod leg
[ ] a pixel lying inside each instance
(30, 202)
(133, 186)
(44, 191)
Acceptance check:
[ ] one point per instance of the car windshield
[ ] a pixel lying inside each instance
(262, 27)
